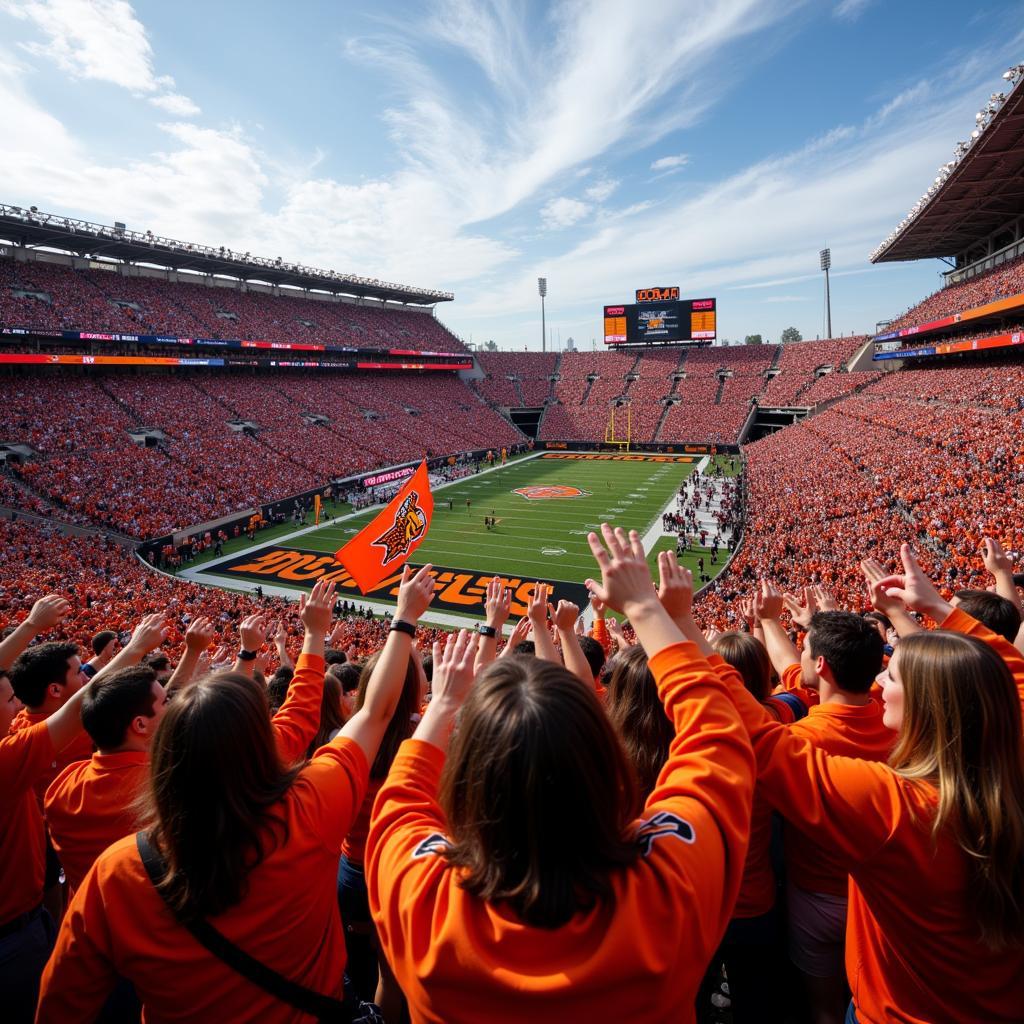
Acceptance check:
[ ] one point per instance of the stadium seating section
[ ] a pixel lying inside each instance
(935, 448)
(999, 283)
(52, 297)
(91, 470)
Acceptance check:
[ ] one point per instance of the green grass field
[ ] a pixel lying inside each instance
(535, 539)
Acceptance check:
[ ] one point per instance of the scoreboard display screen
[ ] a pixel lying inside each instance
(661, 322)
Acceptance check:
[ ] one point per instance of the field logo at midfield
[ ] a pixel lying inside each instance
(410, 522)
(549, 491)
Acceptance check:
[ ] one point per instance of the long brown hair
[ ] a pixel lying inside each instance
(215, 776)
(332, 717)
(748, 656)
(538, 793)
(638, 716)
(401, 726)
(961, 732)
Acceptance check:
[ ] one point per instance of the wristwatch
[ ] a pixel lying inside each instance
(244, 655)
(401, 626)
(484, 630)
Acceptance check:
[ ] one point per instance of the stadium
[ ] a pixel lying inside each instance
(190, 436)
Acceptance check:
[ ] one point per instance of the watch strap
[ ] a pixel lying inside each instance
(401, 626)
(484, 630)
(244, 655)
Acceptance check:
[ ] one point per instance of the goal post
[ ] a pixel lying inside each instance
(613, 431)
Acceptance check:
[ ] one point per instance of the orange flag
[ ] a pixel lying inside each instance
(383, 547)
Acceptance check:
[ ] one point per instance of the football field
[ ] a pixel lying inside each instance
(543, 506)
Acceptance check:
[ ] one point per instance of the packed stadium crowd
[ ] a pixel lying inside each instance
(90, 469)
(53, 297)
(1001, 282)
(255, 821)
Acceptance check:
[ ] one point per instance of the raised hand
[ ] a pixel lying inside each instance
(746, 606)
(415, 592)
(314, 611)
(801, 611)
(253, 631)
(149, 634)
(768, 601)
(565, 616)
(497, 603)
(675, 587)
(200, 634)
(47, 612)
(996, 560)
(453, 669)
(824, 598)
(537, 609)
(519, 633)
(598, 606)
(626, 584)
(617, 635)
(913, 589)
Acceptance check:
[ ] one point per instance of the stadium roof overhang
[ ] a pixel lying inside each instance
(983, 193)
(47, 231)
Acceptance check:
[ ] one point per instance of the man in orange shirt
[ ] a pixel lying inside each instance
(841, 657)
(44, 678)
(89, 805)
(28, 754)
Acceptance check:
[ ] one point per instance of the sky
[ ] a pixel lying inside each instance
(476, 145)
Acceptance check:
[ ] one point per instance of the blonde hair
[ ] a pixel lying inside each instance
(961, 733)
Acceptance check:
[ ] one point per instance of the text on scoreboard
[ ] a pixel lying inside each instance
(648, 322)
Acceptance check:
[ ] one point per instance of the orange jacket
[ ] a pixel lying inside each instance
(912, 951)
(25, 756)
(639, 957)
(117, 924)
(757, 889)
(298, 718)
(88, 807)
(80, 749)
(841, 730)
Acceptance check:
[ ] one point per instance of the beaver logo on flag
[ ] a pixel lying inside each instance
(410, 522)
(550, 491)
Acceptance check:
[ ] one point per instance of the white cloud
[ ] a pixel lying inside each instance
(95, 39)
(669, 163)
(175, 104)
(99, 40)
(762, 225)
(601, 190)
(563, 212)
(851, 10)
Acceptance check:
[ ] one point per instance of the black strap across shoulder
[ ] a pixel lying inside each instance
(324, 1008)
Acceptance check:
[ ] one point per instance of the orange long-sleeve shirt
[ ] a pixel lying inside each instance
(88, 807)
(298, 718)
(80, 749)
(640, 957)
(118, 925)
(841, 730)
(912, 952)
(757, 889)
(25, 756)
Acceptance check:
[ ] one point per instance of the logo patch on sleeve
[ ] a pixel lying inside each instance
(660, 826)
(433, 844)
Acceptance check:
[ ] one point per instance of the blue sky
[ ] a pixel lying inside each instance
(475, 145)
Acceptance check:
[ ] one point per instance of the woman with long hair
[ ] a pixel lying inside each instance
(508, 877)
(224, 906)
(638, 716)
(935, 838)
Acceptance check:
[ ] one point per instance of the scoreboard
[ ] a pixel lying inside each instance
(661, 320)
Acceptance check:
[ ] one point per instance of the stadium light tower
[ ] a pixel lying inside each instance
(542, 289)
(826, 262)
